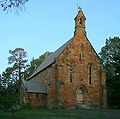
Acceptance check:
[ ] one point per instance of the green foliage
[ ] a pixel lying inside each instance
(114, 83)
(110, 55)
(10, 80)
(9, 98)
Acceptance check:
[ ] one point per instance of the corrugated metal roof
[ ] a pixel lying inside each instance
(35, 87)
(50, 59)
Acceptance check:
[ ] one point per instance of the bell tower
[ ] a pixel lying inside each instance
(80, 22)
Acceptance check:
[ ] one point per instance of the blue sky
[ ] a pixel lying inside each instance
(47, 24)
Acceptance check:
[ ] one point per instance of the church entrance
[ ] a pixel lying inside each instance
(80, 96)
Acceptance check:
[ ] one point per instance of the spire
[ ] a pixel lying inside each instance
(80, 21)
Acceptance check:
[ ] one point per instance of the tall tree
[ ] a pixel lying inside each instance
(11, 80)
(110, 55)
(18, 60)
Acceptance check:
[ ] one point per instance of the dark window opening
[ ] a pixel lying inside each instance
(81, 21)
(72, 70)
(90, 74)
(90, 82)
(36, 95)
(70, 73)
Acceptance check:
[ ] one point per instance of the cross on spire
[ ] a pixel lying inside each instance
(79, 7)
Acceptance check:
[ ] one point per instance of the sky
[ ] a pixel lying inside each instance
(45, 25)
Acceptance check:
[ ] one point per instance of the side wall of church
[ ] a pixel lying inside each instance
(48, 78)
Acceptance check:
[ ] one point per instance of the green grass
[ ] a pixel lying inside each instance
(62, 114)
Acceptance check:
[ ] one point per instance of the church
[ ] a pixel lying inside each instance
(71, 77)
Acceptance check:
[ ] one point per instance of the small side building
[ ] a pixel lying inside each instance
(36, 94)
(73, 76)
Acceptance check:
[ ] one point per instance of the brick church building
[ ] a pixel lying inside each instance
(72, 76)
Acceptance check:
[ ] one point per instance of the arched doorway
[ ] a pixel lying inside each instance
(80, 96)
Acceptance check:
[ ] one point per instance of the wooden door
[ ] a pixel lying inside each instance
(80, 96)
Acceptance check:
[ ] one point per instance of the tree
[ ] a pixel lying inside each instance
(1, 84)
(110, 55)
(16, 5)
(18, 60)
(9, 97)
(11, 80)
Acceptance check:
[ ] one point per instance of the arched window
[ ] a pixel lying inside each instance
(90, 73)
(82, 56)
(71, 73)
(82, 52)
(72, 70)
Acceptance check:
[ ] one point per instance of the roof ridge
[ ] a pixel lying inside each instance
(51, 58)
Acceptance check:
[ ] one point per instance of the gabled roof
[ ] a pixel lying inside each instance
(51, 58)
(34, 87)
(80, 13)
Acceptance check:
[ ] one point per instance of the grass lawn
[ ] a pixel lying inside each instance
(62, 114)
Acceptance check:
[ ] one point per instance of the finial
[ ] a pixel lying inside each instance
(78, 8)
